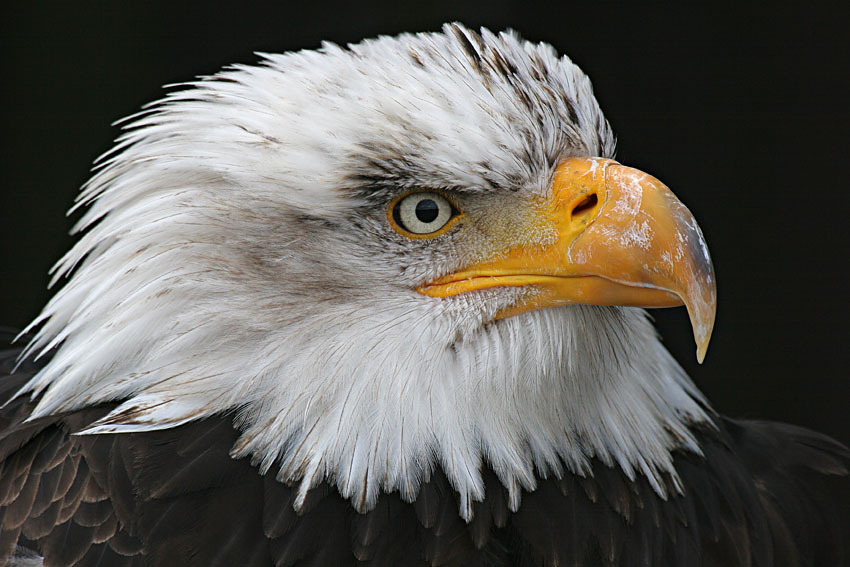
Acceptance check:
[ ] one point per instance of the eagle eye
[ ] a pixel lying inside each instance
(423, 214)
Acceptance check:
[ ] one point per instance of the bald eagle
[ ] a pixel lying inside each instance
(382, 305)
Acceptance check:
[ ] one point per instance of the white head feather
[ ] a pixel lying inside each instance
(237, 258)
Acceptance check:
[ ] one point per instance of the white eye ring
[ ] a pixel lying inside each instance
(423, 213)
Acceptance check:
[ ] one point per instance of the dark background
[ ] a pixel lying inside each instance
(743, 113)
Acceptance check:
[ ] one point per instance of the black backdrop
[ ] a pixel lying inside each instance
(742, 112)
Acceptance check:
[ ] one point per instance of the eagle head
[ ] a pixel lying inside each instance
(408, 254)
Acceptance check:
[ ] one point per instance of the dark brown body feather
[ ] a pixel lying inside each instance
(763, 494)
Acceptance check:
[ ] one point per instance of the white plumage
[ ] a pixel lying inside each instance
(237, 257)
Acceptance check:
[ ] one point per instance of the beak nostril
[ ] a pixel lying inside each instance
(586, 205)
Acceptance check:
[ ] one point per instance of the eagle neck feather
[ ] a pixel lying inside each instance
(379, 405)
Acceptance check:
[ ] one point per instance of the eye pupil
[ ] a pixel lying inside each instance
(427, 210)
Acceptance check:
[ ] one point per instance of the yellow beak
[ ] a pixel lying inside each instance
(622, 238)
